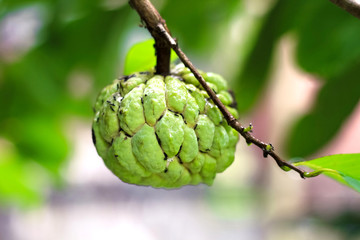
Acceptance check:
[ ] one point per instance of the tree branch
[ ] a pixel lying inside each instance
(351, 6)
(156, 26)
(227, 115)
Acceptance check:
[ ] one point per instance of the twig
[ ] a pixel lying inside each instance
(156, 26)
(351, 6)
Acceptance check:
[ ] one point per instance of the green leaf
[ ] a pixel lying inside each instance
(19, 182)
(39, 138)
(111, 56)
(344, 168)
(323, 49)
(141, 57)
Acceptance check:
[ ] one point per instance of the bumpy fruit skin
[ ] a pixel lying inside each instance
(164, 131)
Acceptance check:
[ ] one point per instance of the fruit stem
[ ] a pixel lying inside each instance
(151, 17)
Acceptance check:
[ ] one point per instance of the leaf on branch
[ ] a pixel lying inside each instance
(141, 57)
(344, 168)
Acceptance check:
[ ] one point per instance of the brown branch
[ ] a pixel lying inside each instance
(351, 6)
(150, 16)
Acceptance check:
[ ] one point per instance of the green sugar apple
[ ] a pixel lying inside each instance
(164, 131)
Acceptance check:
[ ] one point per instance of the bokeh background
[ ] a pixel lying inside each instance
(294, 65)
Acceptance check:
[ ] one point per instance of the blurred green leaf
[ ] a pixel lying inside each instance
(328, 40)
(82, 40)
(332, 53)
(335, 102)
(9, 5)
(110, 60)
(197, 24)
(35, 90)
(322, 49)
(28, 79)
(141, 57)
(17, 184)
(344, 168)
(38, 138)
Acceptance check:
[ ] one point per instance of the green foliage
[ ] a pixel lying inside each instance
(36, 96)
(41, 139)
(197, 24)
(23, 189)
(335, 102)
(330, 51)
(327, 46)
(341, 167)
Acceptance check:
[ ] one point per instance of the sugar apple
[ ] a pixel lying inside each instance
(164, 131)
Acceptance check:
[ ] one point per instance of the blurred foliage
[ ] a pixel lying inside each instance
(348, 223)
(198, 24)
(20, 185)
(38, 89)
(78, 43)
(326, 47)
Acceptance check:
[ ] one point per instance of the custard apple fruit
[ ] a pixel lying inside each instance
(164, 131)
